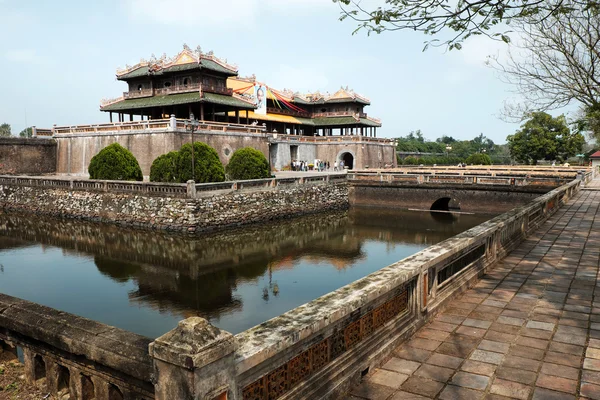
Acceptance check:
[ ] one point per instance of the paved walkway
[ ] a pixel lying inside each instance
(530, 329)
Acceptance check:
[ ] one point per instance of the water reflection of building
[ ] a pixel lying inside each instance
(189, 276)
(199, 276)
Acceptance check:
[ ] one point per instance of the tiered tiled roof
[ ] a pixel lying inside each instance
(186, 60)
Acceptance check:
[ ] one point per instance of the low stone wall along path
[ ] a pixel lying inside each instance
(530, 328)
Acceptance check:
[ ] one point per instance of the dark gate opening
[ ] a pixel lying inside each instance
(445, 204)
(348, 160)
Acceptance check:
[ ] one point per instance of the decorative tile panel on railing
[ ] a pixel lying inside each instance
(285, 377)
(454, 267)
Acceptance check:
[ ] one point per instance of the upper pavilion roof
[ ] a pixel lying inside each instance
(595, 155)
(344, 95)
(186, 60)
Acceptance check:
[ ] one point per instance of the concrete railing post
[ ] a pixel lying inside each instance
(194, 361)
(172, 123)
(191, 189)
(33, 131)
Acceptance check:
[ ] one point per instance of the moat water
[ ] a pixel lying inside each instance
(145, 282)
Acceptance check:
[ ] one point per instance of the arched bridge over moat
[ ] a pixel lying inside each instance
(462, 190)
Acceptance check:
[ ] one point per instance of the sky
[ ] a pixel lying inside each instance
(59, 58)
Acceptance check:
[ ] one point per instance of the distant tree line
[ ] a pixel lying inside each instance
(541, 137)
(447, 150)
(5, 131)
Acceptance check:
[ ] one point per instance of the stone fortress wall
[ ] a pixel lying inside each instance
(149, 139)
(27, 156)
(176, 207)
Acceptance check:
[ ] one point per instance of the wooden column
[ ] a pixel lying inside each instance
(237, 116)
(375, 132)
(130, 117)
(201, 111)
(110, 113)
(247, 120)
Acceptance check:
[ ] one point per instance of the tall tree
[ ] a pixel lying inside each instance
(457, 20)
(5, 130)
(556, 63)
(26, 133)
(543, 137)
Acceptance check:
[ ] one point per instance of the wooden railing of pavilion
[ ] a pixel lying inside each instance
(273, 110)
(196, 87)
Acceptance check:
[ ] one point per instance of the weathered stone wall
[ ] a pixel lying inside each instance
(74, 356)
(27, 156)
(76, 151)
(176, 214)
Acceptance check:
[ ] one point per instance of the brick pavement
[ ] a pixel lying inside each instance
(529, 329)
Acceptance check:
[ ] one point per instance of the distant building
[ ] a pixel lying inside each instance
(152, 118)
(202, 84)
(595, 160)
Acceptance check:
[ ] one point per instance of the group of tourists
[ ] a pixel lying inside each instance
(318, 165)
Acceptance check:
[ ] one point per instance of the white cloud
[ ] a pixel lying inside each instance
(213, 13)
(20, 55)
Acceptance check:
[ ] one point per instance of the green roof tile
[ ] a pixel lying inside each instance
(226, 101)
(136, 73)
(340, 121)
(214, 66)
(204, 64)
(175, 99)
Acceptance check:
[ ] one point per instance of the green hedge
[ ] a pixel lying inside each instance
(114, 162)
(248, 163)
(163, 169)
(176, 166)
(207, 166)
(479, 159)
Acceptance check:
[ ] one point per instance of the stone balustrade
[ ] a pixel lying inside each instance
(391, 178)
(176, 190)
(155, 125)
(75, 356)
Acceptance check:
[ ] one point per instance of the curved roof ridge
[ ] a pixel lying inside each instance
(186, 56)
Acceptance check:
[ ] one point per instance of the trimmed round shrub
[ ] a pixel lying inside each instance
(248, 163)
(479, 159)
(207, 166)
(164, 168)
(115, 162)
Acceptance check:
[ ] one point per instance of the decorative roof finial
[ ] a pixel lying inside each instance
(198, 50)
(186, 47)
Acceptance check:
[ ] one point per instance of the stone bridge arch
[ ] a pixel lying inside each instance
(446, 203)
